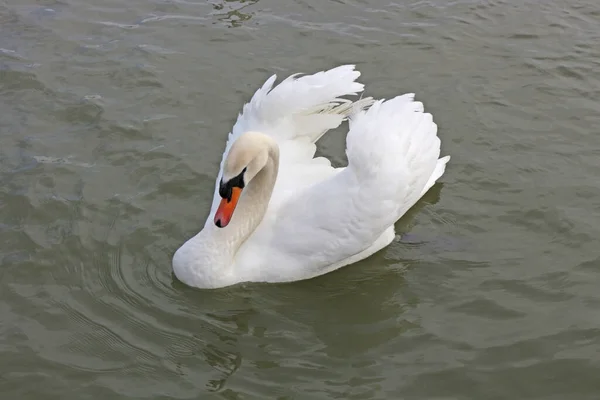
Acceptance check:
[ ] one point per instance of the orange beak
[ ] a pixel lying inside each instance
(227, 207)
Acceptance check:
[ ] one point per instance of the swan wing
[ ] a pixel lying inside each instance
(393, 159)
(296, 113)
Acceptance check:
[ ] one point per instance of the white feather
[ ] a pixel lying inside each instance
(393, 152)
(320, 218)
(296, 113)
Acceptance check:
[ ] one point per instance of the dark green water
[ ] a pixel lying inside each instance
(113, 118)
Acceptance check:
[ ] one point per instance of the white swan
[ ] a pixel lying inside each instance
(279, 215)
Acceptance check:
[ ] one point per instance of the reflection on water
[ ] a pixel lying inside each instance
(232, 11)
(349, 314)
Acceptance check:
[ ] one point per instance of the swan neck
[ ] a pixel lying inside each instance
(208, 259)
(254, 202)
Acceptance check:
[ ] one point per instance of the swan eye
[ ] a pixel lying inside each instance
(226, 188)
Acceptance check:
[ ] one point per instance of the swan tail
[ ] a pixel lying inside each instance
(393, 149)
(440, 168)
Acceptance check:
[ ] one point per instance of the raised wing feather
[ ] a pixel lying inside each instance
(393, 152)
(296, 113)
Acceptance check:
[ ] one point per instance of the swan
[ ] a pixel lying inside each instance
(279, 213)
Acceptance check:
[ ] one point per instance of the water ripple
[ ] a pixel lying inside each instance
(114, 117)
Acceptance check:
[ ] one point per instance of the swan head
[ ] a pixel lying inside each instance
(247, 156)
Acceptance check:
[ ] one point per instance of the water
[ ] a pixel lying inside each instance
(113, 120)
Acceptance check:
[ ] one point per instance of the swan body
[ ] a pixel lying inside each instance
(279, 214)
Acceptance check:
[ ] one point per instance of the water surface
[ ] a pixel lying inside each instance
(113, 120)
